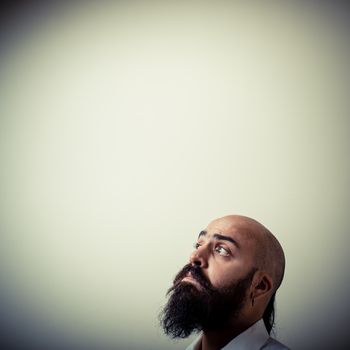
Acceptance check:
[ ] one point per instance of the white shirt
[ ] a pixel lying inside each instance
(253, 338)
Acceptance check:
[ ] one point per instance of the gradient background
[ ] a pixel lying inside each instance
(127, 126)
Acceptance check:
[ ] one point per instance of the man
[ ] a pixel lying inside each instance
(227, 290)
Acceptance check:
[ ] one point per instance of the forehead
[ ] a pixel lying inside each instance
(237, 229)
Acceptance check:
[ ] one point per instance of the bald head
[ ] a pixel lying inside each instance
(267, 252)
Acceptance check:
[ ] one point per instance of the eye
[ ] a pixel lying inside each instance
(222, 251)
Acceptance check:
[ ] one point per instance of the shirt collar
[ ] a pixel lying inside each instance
(253, 338)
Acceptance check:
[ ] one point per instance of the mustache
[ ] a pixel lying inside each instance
(196, 273)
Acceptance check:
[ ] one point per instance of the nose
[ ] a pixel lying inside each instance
(200, 257)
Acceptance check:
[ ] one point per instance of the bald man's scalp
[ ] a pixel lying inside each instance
(269, 255)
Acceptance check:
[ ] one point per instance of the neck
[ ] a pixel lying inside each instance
(217, 339)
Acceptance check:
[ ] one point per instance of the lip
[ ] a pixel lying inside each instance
(190, 279)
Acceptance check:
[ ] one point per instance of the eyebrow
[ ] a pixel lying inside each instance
(220, 237)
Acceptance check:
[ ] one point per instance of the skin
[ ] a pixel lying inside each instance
(226, 251)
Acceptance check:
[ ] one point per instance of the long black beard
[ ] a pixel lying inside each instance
(190, 309)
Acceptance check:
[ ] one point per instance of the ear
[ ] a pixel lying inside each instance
(263, 285)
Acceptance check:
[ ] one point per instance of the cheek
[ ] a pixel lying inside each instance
(220, 278)
(225, 275)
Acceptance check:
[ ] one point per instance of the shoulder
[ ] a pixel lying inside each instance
(273, 344)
